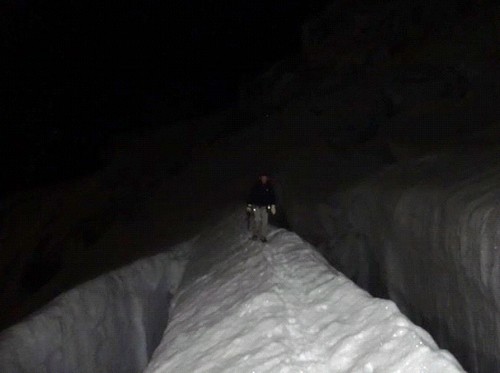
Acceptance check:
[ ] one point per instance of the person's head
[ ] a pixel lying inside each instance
(264, 178)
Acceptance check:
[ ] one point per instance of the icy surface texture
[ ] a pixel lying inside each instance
(433, 229)
(245, 306)
(110, 324)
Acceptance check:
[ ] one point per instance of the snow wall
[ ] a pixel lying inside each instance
(110, 324)
(428, 232)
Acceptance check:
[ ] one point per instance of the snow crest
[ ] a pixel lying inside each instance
(245, 306)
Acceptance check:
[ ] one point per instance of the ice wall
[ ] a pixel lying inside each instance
(110, 324)
(430, 231)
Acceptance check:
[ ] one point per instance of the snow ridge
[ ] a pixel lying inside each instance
(280, 307)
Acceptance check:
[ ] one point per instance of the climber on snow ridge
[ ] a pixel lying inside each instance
(260, 201)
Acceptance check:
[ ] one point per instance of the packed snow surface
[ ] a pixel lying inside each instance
(246, 306)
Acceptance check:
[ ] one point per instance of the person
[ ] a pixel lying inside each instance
(260, 202)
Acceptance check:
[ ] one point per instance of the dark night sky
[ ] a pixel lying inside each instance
(148, 44)
(74, 71)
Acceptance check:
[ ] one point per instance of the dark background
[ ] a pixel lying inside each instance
(75, 72)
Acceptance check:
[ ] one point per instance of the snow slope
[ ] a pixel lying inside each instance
(245, 306)
(110, 324)
(433, 228)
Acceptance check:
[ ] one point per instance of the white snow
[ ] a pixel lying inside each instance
(110, 324)
(245, 306)
(242, 306)
(433, 227)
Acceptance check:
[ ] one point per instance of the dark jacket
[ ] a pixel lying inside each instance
(262, 194)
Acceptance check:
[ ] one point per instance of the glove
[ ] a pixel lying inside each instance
(249, 208)
(273, 209)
